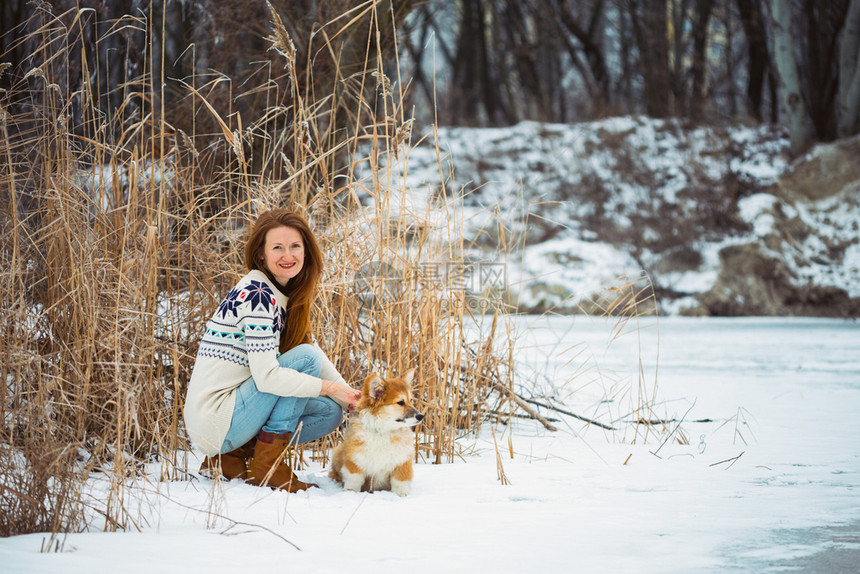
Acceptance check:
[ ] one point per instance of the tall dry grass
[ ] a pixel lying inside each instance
(121, 232)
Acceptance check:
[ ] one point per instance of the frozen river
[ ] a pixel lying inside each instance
(783, 393)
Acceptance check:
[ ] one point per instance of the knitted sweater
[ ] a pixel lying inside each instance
(241, 341)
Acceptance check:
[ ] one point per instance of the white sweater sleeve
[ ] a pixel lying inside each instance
(261, 343)
(329, 372)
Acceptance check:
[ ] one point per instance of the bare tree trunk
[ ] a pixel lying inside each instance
(819, 69)
(730, 62)
(512, 21)
(587, 37)
(793, 108)
(416, 50)
(679, 13)
(469, 64)
(650, 30)
(849, 74)
(475, 88)
(625, 79)
(758, 60)
(704, 9)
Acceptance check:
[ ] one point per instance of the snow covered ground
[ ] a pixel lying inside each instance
(769, 485)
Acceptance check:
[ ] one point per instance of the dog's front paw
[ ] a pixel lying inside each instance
(352, 482)
(400, 487)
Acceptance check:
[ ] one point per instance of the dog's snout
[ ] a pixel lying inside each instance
(419, 417)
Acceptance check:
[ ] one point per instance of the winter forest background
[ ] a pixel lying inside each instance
(496, 63)
(461, 161)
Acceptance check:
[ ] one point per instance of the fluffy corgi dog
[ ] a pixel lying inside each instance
(379, 444)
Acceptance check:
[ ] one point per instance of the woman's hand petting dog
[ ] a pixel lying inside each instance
(341, 392)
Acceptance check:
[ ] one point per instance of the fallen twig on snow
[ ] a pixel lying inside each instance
(221, 516)
(654, 422)
(522, 403)
(348, 520)
(733, 460)
(570, 414)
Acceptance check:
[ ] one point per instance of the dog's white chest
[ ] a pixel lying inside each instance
(381, 451)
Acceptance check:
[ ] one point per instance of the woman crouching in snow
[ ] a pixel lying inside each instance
(257, 374)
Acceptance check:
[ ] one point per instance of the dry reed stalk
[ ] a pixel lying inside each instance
(631, 300)
(121, 234)
(500, 469)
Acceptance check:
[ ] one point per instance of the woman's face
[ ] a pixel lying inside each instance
(283, 253)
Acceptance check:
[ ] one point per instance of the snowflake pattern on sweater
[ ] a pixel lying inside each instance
(248, 320)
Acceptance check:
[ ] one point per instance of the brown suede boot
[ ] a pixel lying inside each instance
(268, 468)
(233, 464)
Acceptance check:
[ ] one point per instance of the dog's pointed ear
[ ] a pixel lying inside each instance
(374, 387)
(408, 376)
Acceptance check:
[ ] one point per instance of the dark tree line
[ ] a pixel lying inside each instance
(502, 61)
(492, 62)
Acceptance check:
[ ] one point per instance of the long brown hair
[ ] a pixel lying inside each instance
(302, 288)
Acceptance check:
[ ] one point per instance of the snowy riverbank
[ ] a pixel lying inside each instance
(718, 218)
(768, 485)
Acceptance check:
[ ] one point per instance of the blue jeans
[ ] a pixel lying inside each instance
(256, 410)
